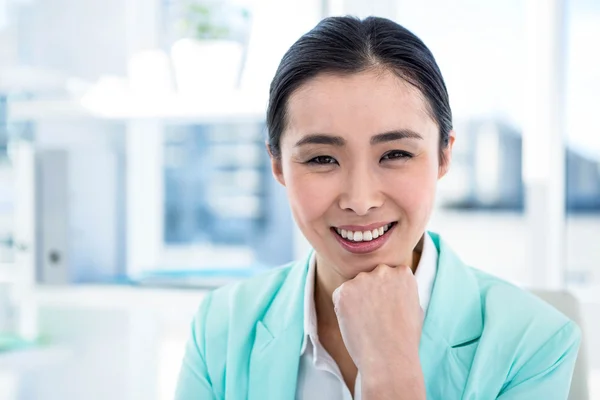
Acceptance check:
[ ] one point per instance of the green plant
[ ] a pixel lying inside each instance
(207, 27)
(205, 20)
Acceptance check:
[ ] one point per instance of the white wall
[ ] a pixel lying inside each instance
(83, 38)
(499, 243)
(8, 45)
(98, 368)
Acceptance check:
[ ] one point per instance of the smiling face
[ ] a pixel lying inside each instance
(360, 162)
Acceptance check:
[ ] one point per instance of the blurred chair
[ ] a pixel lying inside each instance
(568, 305)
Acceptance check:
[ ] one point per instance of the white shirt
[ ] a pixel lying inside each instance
(319, 377)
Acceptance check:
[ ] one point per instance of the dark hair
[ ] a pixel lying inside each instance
(347, 45)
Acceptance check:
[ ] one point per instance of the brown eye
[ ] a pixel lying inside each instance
(396, 154)
(321, 160)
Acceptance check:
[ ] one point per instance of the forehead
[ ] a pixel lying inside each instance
(368, 103)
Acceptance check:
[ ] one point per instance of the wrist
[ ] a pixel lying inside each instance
(406, 388)
(393, 382)
(376, 365)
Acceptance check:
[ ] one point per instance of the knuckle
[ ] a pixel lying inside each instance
(360, 275)
(382, 268)
(337, 293)
(337, 297)
(343, 290)
(405, 270)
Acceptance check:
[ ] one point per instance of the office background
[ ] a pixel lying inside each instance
(133, 173)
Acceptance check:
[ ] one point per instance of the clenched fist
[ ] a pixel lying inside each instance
(380, 319)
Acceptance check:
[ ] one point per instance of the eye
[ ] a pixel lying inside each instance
(322, 160)
(396, 154)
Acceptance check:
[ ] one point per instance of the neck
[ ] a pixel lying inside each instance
(327, 280)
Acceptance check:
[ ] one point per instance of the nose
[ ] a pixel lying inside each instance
(361, 192)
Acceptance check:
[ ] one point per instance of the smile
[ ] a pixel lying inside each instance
(363, 236)
(363, 241)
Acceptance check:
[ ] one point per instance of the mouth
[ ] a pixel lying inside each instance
(364, 236)
(363, 241)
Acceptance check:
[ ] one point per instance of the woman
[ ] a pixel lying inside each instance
(360, 132)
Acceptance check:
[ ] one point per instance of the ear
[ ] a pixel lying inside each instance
(445, 167)
(276, 167)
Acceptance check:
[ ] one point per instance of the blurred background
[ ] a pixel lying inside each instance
(133, 175)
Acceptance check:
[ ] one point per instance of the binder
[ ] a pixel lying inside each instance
(78, 216)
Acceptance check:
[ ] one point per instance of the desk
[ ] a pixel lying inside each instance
(137, 326)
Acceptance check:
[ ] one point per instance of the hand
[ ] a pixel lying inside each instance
(380, 320)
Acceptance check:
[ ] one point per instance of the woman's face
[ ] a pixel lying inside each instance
(360, 157)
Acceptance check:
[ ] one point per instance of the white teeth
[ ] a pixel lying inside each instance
(363, 236)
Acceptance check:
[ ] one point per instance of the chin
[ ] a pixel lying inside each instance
(353, 264)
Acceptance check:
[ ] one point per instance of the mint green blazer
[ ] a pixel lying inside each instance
(482, 339)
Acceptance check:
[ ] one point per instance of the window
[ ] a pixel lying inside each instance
(219, 192)
(583, 136)
(484, 190)
(209, 199)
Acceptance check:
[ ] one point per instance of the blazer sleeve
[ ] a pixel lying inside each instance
(547, 374)
(194, 382)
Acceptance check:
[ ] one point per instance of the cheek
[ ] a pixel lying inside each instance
(414, 190)
(310, 195)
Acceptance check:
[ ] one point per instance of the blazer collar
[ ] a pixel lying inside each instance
(454, 312)
(452, 327)
(275, 356)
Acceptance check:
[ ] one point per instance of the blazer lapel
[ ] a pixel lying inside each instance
(275, 353)
(452, 327)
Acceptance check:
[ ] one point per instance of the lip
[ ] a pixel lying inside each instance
(363, 228)
(364, 247)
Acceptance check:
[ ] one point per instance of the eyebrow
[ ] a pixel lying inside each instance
(321, 138)
(395, 135)
(338, 141)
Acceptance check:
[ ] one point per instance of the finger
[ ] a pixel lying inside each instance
(335, 297)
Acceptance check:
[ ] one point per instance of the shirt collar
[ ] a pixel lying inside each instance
(425, 276)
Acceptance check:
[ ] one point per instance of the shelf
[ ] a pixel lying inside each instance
(225, 107)
(125, 298)
(9, 273)
(21, 360)
(586, 294)
(141, 297)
